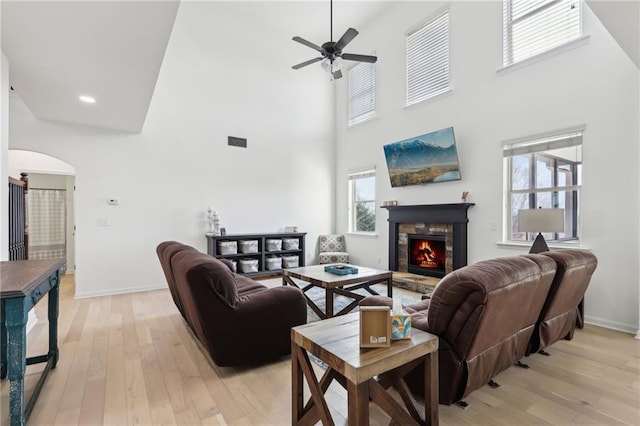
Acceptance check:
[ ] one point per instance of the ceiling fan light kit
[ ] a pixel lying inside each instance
(331, 52)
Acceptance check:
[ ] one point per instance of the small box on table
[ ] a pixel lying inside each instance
(375, 326)
(400, 326)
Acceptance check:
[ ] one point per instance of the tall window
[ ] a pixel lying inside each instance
(362, 93)
(362, 201)
(428, 60)
(531, 27)
(544, 172)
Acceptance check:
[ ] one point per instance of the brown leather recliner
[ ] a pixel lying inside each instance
(238, 320)
(165, 251)
(484, 315)
(557, 318)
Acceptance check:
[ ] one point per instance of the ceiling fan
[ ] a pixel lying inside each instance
(331, 51)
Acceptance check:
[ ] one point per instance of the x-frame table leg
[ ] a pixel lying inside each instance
(318, 408)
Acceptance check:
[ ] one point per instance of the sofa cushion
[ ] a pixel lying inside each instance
(211, 273)
(418, 311)
(558, 316)
(247, 286)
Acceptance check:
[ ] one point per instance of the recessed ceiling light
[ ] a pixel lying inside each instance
(87, 99)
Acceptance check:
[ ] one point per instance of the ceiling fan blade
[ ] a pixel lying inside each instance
(305, 63)
(346, 38)
(337, 74)
(361, 58)
(307, 43)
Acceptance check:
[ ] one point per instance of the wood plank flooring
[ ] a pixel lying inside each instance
(130, 359)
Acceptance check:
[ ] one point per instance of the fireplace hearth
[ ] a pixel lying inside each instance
(429, 239)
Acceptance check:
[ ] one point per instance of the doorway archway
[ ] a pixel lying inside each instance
(51, 202)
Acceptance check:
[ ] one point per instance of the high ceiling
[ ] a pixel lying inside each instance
(113, 50)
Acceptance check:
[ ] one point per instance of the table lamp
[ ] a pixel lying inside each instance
(540, 220)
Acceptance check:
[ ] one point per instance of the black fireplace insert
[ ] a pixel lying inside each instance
(427, 255)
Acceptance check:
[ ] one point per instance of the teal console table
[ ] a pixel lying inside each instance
(23, 284)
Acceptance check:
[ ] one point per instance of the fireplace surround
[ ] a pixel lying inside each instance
(445, 224)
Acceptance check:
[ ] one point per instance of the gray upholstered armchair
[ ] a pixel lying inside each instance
(332, 248)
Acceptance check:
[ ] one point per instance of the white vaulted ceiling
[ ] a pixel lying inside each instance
(622, 20)
(109, 50)
(113, 50)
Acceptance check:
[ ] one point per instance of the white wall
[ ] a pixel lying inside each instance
(166, 177)
(596, 85)
(4, 144)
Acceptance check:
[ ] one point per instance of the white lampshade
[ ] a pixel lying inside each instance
(541, 220)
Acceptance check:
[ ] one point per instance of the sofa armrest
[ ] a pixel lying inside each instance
(376, 301)
(228, 263)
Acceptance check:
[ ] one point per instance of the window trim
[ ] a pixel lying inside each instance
(352, 177)
(558, 50)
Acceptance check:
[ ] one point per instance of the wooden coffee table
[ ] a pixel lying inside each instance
(343, 285)
(364, 373)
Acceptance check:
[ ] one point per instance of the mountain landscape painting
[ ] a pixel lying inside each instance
(423, 159)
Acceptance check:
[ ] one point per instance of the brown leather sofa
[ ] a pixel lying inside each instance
(238, 320)
(490, 314)
(558, 317)
(484, 315)
(165, 252)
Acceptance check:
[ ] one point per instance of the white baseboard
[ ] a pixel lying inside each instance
(614, 325)
(125, 290)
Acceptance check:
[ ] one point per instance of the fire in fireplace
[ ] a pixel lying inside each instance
(427, 255)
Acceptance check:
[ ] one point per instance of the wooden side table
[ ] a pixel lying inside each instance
(24, 283)
(364, 373)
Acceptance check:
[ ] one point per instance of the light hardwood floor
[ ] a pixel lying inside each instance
(130, 359)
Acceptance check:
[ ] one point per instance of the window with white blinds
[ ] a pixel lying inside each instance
(362, 93)
(428, 60)
(531, 27)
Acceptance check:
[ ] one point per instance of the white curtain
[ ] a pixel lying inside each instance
(47, 224)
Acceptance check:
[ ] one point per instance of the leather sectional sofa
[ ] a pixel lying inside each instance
(491, 314)
(238, 320)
